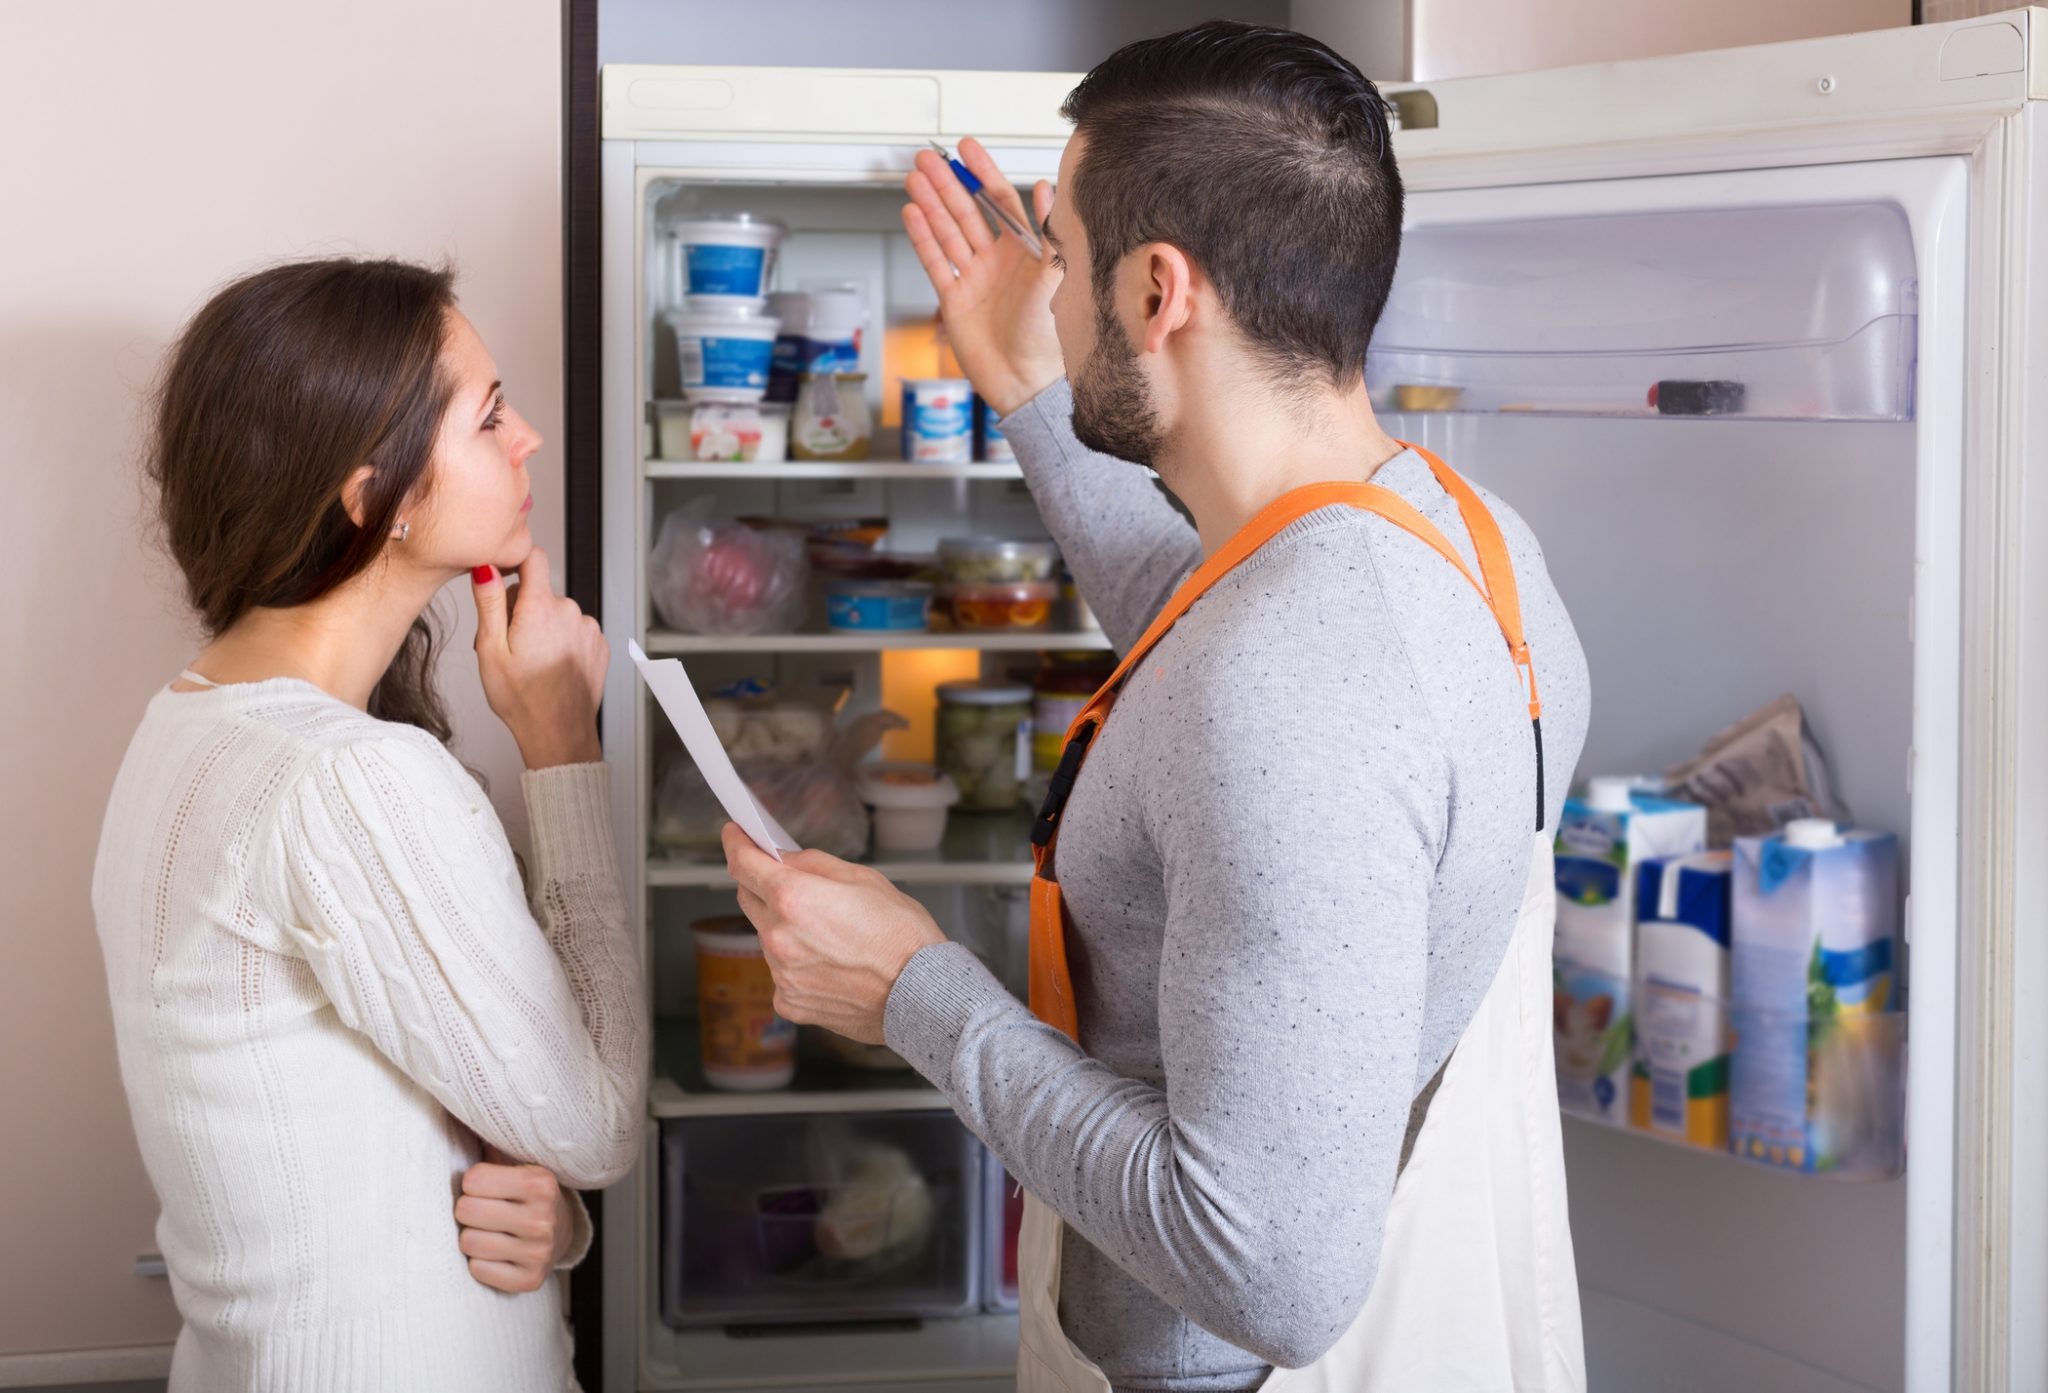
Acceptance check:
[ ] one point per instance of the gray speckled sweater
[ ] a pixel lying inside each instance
(1292, 862)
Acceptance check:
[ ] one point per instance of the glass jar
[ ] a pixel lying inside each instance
(831, 420)
(984, 742)
(1063, 685)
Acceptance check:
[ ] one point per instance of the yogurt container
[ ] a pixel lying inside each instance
(990, 445)
(726, 262)
(938, 420)
(878, 607)
(723, 355)
(910, 803)
(821, 332)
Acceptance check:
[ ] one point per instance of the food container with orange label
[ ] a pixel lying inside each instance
(747, 1047)
(1024, 604)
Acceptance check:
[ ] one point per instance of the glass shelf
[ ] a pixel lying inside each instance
(668, 641)
(679, 1088)
(979, 849)
(900, 470)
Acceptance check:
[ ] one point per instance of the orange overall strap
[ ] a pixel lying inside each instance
(1051, 982)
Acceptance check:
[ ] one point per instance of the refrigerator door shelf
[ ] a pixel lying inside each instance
(1781, 313)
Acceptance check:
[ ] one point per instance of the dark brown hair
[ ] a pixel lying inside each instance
(1265, 157)
(281, 387)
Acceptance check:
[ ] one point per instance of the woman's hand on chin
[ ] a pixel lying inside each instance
(543, 662)
(516, 1222)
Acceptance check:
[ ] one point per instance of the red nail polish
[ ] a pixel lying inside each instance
(483, 575)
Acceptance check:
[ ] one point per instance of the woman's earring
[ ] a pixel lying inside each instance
(402, 531)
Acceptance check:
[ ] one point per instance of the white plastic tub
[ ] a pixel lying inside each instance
(910, 803)
(728, 261)
(723, 355)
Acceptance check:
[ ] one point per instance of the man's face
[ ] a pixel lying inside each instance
(1114, 411)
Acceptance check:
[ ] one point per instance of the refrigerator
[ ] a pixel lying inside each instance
(1851, 227)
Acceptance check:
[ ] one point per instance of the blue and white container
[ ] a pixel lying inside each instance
(1601, 839)
(726, 262)
(821, 333)
(938, 420)
(723, 355)
(878, 607)
(990, 445)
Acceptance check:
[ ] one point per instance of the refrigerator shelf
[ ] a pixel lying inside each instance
(1788, 313)
(821, 1085)
(668, 641)
(867, 469)
(667, 1097)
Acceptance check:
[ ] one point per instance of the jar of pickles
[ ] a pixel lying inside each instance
(984, 742)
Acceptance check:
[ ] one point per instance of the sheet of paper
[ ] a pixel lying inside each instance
(671, 687)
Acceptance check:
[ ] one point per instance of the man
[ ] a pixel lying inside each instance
(1295, 860)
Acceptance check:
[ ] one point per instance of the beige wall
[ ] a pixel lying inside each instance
(151, 151)
(1468, 38)
(1429, 40)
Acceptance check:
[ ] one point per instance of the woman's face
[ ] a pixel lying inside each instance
(478, 495)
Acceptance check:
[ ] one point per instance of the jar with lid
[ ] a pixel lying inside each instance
(1061, 687)
(984, 742)
(831, 420)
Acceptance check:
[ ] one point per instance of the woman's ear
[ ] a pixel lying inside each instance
(352, 490)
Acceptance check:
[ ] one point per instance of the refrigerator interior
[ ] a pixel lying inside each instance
(839, 234)
(1710, 565)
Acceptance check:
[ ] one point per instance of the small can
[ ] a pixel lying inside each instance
(989, 444)
(938, 420)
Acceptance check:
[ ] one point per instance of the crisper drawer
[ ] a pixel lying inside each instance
(825, 1217)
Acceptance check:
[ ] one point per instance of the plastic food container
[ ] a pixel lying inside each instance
(831, 420)
(910, 803)
(984, 742)
(821, 331)
(747, 1047)
(878, 606)
(819, 1217)
(983, 560)
(721, 431)
(727, 262)
(938, 420)
(723, 355)
(1002, 606)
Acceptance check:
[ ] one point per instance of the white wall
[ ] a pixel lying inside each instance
(150, 153)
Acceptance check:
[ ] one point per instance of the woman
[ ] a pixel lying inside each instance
(330, 996)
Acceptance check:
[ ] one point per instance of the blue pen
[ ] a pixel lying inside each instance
(980, 195)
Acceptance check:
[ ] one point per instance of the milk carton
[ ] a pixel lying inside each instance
(1814, 1077)
(1680, 1085)
(1601, 839)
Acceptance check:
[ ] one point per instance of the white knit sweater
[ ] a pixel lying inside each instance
(327, 985)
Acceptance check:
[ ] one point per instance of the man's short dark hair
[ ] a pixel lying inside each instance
(1265, 157)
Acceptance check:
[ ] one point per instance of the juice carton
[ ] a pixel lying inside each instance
(1601, 839)
(1680, 1085)
(1815, 1075)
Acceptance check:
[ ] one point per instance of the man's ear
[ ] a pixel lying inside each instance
(1169, 292)
(352, 490)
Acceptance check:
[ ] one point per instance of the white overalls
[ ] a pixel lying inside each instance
(1476, 1290)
